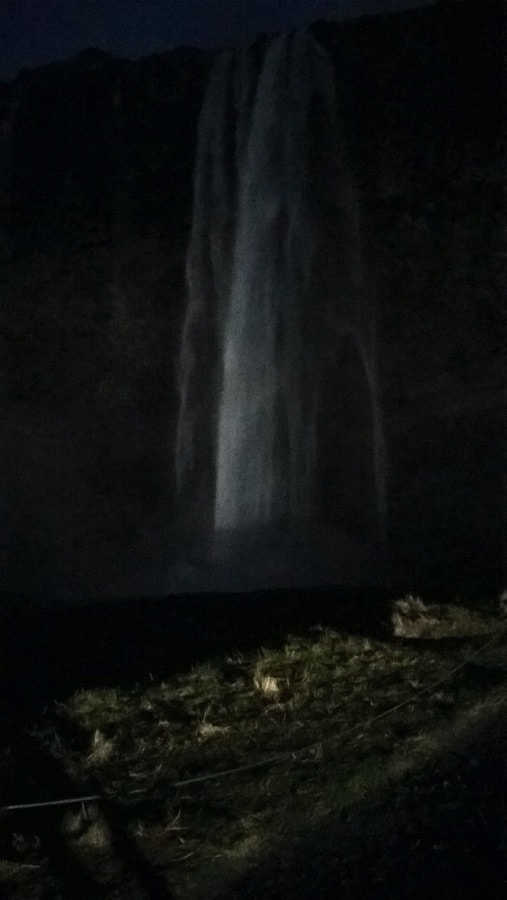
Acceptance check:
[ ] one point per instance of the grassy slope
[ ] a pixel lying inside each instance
(403, 804)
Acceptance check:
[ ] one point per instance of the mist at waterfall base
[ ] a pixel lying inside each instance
(279, 453)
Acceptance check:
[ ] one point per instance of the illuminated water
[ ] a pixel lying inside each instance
(257, 226)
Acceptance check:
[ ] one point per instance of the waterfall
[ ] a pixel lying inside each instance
(251, 283)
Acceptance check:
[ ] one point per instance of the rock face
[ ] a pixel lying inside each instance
(96, 164)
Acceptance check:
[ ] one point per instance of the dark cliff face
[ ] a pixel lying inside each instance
(422, 101)
(96, 163)
(100, 148)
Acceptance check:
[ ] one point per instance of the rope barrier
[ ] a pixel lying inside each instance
(67, 801)
(268, 760)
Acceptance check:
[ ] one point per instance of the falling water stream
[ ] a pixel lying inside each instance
(250, 276)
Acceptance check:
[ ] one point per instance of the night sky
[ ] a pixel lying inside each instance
(34, 32)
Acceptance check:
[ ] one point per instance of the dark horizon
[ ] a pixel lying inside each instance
(53, 30)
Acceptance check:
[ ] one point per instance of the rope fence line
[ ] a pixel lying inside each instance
(67, 801)
(267, 760)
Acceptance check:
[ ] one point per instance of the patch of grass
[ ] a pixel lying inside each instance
(319, 699)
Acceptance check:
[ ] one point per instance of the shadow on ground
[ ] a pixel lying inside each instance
(438, 832)
(35, 769)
